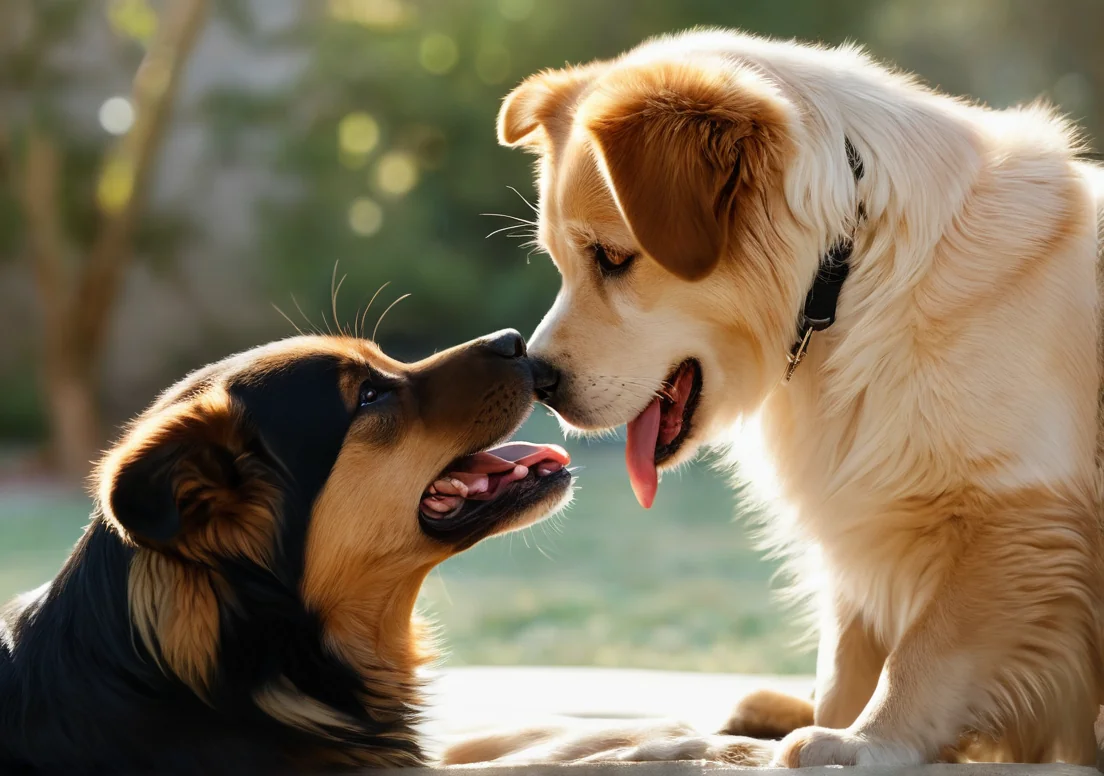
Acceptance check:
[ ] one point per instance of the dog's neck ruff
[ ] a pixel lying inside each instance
(820, 303)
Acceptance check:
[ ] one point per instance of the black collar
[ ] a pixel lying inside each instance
(820, 303)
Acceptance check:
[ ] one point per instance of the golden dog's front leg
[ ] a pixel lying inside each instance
(1008, 647)
(849, 662)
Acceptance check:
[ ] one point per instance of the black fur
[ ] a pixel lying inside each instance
(80, 694)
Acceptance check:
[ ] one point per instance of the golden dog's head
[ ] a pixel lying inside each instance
(662, 204)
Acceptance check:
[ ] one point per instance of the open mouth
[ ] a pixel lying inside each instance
(657, 433)
(479, 492)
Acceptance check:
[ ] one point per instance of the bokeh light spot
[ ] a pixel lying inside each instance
(358, 134)
(365, 216)
(380, 14)
(438, 53)
(115, 186)
(132, 19)
(397, 173)
(116, 115)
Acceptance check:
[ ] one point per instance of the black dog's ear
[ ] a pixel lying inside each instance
(171, 468)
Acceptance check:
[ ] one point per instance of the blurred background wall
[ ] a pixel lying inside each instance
(171, 172)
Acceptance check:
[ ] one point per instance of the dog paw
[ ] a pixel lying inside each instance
(814, 746)
(768, 714)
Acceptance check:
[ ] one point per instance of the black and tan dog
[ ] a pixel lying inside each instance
(243, 598)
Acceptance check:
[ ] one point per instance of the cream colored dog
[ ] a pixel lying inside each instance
(934, 461)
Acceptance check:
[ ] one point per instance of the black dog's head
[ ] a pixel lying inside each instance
(284, 506)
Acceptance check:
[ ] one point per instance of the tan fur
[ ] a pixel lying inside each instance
(933, 464)
(534, 114)
(175, 613)
(368, 606)
(284, 701)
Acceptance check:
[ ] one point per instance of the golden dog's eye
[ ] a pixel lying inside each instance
(611, 262)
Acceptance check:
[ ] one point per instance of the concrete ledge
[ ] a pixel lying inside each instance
(465, 701)
(470, 701)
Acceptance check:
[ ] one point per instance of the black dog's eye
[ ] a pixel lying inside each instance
(369, 394)
(611, 262)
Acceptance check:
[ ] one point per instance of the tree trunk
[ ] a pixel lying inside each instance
(75, 418)
(69, 391)
(77, 303)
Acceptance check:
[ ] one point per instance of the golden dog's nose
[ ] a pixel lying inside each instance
(545, 380)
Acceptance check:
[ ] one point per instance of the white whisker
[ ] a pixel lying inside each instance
(523, 199)
(364, 315)
(525, 221)
(385, 312)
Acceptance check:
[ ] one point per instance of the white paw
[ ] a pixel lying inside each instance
(813, 746)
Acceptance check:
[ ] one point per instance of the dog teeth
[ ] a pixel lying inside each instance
(449, 486)
(548, 467)
(475, 483)
(441, 505)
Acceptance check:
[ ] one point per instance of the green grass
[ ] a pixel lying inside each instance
(37, 530)
(607, 583)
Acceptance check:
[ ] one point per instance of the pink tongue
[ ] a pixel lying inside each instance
(640, 447)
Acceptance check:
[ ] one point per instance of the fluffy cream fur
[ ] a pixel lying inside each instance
(933, 464)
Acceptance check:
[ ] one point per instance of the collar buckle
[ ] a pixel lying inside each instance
(819, 311)
(797, 354)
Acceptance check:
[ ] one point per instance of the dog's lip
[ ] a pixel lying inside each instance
(666, 451)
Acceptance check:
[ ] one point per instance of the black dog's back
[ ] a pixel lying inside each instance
(71, 681)
(79, 694)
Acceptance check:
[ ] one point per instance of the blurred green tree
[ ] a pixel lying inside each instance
(388, 142)
(80, 245)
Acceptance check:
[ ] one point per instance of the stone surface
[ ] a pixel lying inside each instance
(471, 700)
(466, 701)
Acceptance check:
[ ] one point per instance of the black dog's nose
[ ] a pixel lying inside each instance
(506, 343)
(545, 380)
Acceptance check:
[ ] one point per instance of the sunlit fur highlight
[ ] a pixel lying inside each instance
(933, 467)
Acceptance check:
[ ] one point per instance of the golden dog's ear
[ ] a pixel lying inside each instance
(539, 109)
(677, 144)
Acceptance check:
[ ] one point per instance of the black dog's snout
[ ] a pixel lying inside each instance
(545, 380)
(506, 343)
